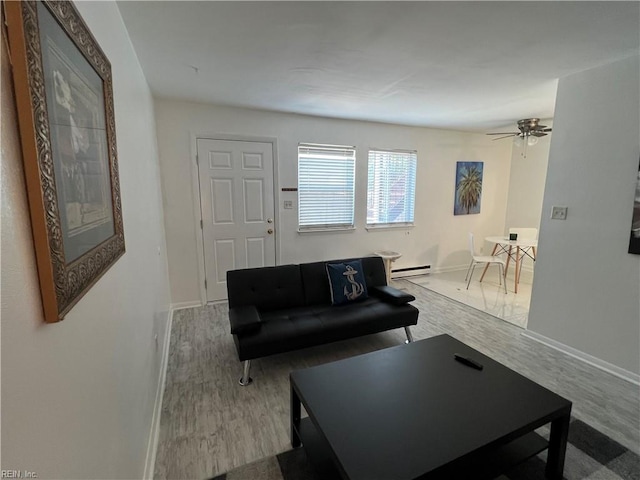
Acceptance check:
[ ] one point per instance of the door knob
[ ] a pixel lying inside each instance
(269, 220)
(270, 231)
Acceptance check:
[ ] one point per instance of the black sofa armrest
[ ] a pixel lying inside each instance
(391, 295)
(244, 319)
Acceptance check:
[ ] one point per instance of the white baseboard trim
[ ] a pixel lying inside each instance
(183, 305)
(455, 268)
(585, 357)
(218, 302)
(154, 435)
(458, 268)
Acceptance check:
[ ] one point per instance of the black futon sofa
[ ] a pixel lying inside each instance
(278, 309)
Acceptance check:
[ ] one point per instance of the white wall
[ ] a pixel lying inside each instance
(438, 239)
(78, 396)
(527, 182)
(586, 291)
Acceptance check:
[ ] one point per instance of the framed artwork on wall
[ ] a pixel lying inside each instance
(468, 188)
(634, 240)
(64, 95)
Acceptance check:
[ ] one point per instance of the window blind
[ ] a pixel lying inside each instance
(391, 187)
(326, 176)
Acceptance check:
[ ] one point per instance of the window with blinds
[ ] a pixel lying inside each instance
(326, 186)
(391, 188)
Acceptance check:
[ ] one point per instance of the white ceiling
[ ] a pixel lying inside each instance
(460, 65)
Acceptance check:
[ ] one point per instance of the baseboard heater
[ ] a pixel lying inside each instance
(410, 271)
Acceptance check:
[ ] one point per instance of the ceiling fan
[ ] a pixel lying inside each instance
(528, 127)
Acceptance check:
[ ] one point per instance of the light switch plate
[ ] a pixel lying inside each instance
(558, 213)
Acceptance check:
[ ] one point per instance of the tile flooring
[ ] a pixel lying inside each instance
(488, 296)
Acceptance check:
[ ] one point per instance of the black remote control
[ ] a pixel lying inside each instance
(469, 362)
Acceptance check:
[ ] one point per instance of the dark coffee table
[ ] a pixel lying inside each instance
(412, 411)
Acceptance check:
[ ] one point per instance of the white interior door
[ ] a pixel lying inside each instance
(237, 202)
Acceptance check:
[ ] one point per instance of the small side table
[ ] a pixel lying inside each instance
(388, 257)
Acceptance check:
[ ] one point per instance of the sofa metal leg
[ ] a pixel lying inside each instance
(409, 335)
(246, 379)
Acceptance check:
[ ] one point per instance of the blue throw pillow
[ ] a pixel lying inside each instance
(346, 281)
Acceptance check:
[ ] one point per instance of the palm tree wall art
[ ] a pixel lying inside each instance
(468, 188)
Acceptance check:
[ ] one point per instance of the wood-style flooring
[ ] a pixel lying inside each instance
(210, 424)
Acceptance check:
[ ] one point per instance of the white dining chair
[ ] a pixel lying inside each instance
(484, 260)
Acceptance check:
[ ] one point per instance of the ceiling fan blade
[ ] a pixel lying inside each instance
(538, 134)
(546, 129)
(540, 127)
(506, 136)
(504, 133)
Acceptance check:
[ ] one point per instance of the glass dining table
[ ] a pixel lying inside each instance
(516, 250)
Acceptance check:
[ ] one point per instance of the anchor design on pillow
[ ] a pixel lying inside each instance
(357, 289)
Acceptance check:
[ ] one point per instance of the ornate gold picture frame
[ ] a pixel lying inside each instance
(64, 96)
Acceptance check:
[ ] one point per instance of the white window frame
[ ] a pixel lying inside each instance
(316, 164)
(377, 185)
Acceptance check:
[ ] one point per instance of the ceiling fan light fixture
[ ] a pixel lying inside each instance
(529, 132)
